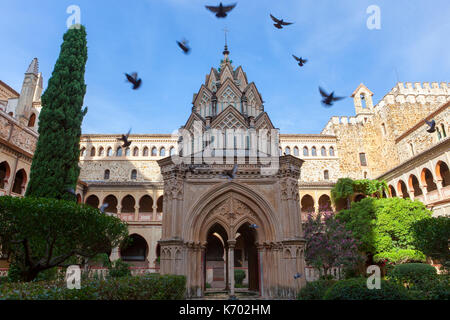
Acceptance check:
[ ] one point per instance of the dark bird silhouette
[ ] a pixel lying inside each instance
(230, 174)
(297, 276)
(328, 99)
(221, 10)
(103, 207)
(183, 45)
(133, 78)
(432, 126)
(126, 142)
(300, 60)
(280, 23)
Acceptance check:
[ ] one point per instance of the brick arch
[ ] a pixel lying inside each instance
(414, 184)
(307, 203)
(128, 204)
(325, 203)
(392, 191)
(402, 189)
(20, 181)
(427, 180)
(32, 120)
(443, 173)
(112, 203)
(93, 201)
(5, 173)
(146, 204)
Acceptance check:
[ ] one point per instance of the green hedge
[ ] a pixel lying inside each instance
(356, 289)
(315, 290)
(147, 287)
(239, 276)
(413, 275)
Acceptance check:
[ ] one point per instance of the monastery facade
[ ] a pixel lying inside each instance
(186, 218)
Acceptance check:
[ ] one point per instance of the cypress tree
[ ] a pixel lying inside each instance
(55, 163)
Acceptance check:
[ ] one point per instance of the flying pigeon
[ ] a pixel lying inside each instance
(432, 126)
(297, 276)
(230, 174)
(328, 99)
(301, 61)
(103, 207)
(221, 10)
(126, 142)
(254, 226)
(133, 78)
(280, 23)
(183, 45)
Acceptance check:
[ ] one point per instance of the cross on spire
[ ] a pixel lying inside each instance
(226, 52)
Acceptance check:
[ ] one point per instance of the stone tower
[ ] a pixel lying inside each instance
(27, 109)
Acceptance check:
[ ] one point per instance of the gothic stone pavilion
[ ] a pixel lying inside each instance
(185, 218)
(206, 215)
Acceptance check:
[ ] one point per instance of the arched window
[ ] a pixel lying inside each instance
(305, 151)
(363, 100)
(119, 152)
(83, 152)
(162, 152)
(128, 204)
(323, 152)
(414, 185)
(325, 203)
(110, 152)
(127, 152)
(20, 182)
(137, 250)
(146, 204)
(287, 151)
(112, 204)
(106, 174)
(93, 201)
(135, 152)
(5, 172)
(331, 152)
(362, 159)
(101, 152)
(93, 152)
(145, 153)
(402, 190)
(159, 204)
(314, 151)
(307, 204)
(32, 121)
(326, 175)
(365, 174)
(296, 152)
(411, 147)
(443, 173)
(133, 175)
(428, 180)
(154, 152)
(172, 151)
(392, 191)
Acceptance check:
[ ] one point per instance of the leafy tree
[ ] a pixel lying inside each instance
(432, 238)
(345, 188)
(40, 234)
(55, 163)
(384, 227)
(329, 244)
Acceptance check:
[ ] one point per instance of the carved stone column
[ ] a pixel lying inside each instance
(231, 245)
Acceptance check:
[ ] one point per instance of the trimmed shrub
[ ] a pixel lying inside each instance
(239, 276)
(147, 287)
(356, 289)
(315, 290)
(413, 275)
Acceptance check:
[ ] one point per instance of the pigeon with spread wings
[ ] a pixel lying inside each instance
(300, 60)
(221, 11)
(230, 174)
(279, 23)
(328, 99)
(124, 138)
(133, 79)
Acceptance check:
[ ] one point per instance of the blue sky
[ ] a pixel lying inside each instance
(140, 35)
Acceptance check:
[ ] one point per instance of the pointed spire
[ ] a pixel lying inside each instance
(34, 67)
(226, 52)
